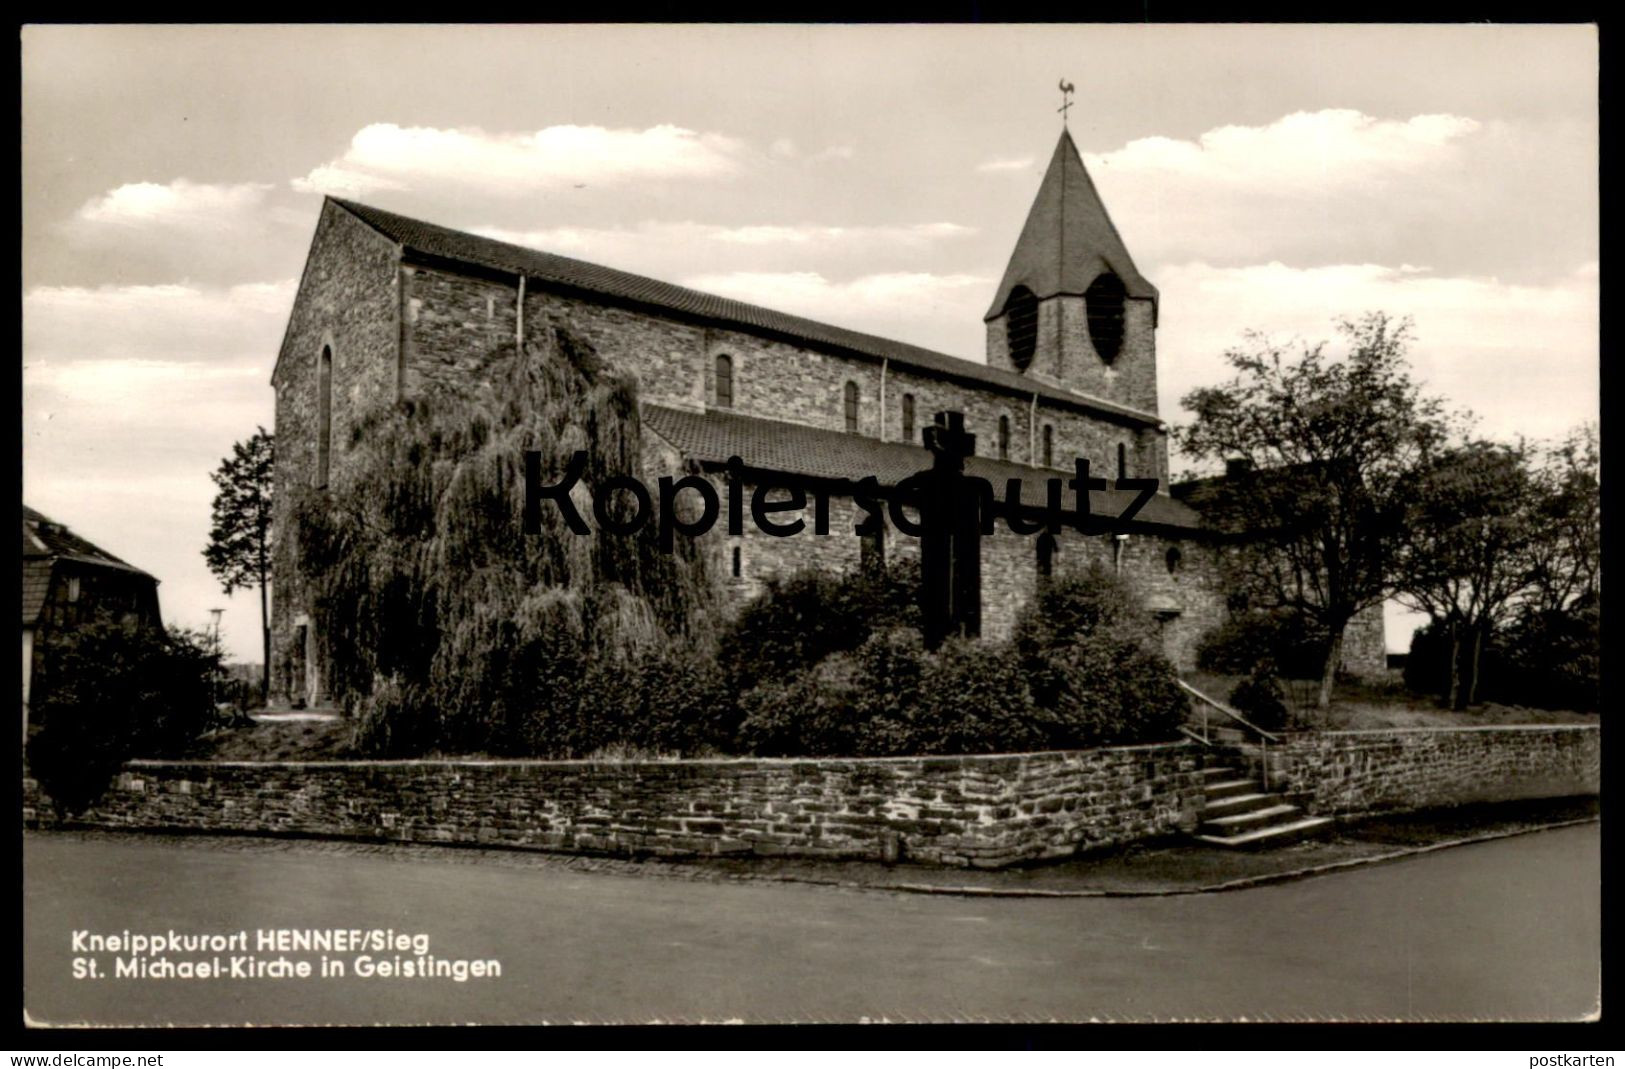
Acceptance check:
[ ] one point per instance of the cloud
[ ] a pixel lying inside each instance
(342, 181)
(200, 209)
(834, 152)
(1301, 154)
(176, 324)
(387, 156)
(1523, 357)
(1328, 187)
(1016, 163)
(197, 230)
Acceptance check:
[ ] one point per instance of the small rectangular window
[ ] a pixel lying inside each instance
(736, 562)
(908, 417)
(851, 408)
(73, 588)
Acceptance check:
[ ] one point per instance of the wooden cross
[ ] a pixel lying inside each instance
(1066, 99)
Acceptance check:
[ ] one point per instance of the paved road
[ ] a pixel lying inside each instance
(1502, 930)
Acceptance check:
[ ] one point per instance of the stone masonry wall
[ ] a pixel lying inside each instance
(454, 319)
(348, 300)
(982, 811)
(1352, 773)
(1065, 353)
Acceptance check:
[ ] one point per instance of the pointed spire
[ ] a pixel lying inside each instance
(1068, 240)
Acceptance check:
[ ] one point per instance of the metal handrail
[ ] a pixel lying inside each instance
(1227, 711)
(1206, 739)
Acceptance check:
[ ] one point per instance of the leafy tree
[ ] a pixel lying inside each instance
(238, 552)
(109, 691)
(1464, 555)
(1328, 448)
(1568, 523)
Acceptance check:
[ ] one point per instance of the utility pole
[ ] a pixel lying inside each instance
(214, 686)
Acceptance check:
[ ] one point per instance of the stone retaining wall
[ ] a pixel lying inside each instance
(1352, 773)
(983, 811)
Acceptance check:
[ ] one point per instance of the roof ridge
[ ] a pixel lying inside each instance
(461, 245)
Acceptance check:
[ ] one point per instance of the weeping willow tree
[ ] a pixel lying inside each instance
(447, 629)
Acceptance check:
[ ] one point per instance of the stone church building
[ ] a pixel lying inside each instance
(389, 307)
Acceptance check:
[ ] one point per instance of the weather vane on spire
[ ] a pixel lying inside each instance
(1066, 99)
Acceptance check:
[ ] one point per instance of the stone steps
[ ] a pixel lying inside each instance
(1238, 813)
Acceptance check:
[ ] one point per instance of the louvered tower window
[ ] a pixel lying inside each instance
(1021, 326)
(1104, 299)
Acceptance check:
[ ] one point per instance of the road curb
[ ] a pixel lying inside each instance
(1214, 888)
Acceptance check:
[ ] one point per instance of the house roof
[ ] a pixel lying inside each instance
(36, 586)
(1069, 239)
(713, 437)
(443, 243)
(44, 543)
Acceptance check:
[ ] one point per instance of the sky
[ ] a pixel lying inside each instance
(1268, 178)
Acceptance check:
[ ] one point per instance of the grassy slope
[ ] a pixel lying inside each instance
(1386, 704)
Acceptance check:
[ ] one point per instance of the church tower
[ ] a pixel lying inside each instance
(1072, 309)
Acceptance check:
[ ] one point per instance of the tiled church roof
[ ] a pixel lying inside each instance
(1068, 239)
(770, 445)
(457, 246)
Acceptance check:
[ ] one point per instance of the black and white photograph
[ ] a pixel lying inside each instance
(790, 524)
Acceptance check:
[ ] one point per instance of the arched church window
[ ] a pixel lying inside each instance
(851, 408)
(1104, 299)
(1049, 446)
(1122, 461)
(908, 417)
(1046, 555)
(324, 414)
(1021, 326)
(725, 381)
(1004, 437)
(1174, 558)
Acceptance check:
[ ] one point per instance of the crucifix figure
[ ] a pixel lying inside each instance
(951, 545)
(1066, 99)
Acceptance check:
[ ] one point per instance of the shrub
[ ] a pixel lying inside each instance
(108, 692)
(810, 713)
(1092, 660)
(1260, 699)
(1236, 647)
(1552, 660)
(974, 698)
(1546, 660)
(803, 618)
